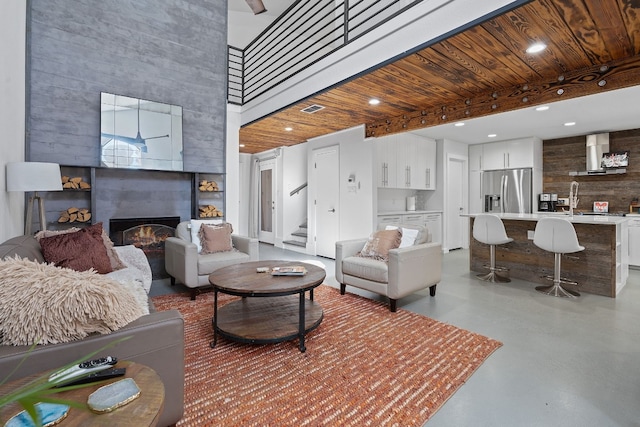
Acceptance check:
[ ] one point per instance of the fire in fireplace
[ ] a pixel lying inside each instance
(148, 234)
(149, 237)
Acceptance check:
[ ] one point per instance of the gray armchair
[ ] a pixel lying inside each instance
(408, 270)
(185, 265)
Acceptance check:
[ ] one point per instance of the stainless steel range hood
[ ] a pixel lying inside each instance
(597, 145)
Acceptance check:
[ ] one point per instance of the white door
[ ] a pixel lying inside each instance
(267, 202)
(326, 170)
(456, 204)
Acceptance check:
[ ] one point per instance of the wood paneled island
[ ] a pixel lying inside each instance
(602, 268)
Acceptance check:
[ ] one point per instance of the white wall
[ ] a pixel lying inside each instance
(232, 181)
(13, 17)
(244, 189)
(356, 207)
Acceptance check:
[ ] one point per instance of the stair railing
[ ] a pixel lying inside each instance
(298, 189)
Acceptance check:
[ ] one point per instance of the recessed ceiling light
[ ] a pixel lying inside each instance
(570, 124)
(241, 145)
(288, 129)
(536, 47)
(492, 135)
(374, 101)
(459, 124)
(542, 108)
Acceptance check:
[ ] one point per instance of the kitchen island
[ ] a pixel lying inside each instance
(602, 268)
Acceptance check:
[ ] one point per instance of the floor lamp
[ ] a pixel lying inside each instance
(34, 176)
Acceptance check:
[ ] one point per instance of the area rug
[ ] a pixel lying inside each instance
(364, 366)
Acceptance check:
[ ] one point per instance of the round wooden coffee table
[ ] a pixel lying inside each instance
(272, 308)
(143, 411)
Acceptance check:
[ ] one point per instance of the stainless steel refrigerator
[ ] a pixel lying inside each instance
(507, 191)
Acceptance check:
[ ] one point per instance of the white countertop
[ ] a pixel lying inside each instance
(406, 212)
(582, 219)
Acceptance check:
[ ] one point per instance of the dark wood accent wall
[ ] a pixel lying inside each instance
(560, 156)
(594, 269)
(160, 50)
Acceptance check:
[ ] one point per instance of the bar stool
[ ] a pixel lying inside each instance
(557, 235)
(489, 229)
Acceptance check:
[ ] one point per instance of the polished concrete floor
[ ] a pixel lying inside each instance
(562, 363)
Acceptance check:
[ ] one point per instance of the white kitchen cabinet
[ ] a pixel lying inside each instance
(475, 157)
(413, 219)
(634, 242)
(425, 177)
(389, 220)
(433, 222)
(386, 155)
(405, 161)
(516, 153)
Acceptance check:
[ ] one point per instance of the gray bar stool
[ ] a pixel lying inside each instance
(489, 229)
(557, 235)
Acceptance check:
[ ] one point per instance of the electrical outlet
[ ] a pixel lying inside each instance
(530, 234)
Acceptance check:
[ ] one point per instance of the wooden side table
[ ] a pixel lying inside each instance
(143, 411)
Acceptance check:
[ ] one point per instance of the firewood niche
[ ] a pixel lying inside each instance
(211, 196)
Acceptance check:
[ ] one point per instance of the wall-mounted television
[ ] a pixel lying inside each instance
(140, 134)
(615, 159)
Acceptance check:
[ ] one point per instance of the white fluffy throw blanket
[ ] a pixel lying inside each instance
(45, 304)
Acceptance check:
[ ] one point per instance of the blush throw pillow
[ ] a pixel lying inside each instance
(79, 251)
(216, 238)
(195, 225)
(44, 304)
(380, 243)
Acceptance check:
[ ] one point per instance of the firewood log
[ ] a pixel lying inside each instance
(74, 214)
(75, 183)
(206, 185)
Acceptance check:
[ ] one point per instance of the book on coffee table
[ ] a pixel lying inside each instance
(295, 270)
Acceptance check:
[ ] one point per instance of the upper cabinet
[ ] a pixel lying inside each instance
(512, 154)
(406, 161)
(475, 157)
(385, 157)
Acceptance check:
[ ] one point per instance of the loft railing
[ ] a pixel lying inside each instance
(305, 33)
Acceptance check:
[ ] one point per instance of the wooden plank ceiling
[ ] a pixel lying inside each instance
(592, 46)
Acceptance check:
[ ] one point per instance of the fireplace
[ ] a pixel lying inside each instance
(148, 234)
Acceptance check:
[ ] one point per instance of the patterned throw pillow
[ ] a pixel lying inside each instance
(216, 238)
(78, 251)
(380, 243)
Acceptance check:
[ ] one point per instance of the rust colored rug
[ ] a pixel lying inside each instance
(363, 366)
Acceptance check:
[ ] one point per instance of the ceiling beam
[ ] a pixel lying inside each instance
(614, 75)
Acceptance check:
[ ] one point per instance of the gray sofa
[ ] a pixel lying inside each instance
(185, 265)
(157, 341)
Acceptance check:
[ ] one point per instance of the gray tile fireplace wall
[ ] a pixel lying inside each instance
(141, 194)
(160, 50)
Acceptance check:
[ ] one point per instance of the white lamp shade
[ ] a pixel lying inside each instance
(33, 176)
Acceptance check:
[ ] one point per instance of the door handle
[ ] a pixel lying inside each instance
(331, 210)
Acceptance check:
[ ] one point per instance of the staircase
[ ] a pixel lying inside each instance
(299, 237)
